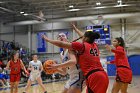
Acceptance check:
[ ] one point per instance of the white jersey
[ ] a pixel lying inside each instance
(76, 76)
(35, 71)
(73, 71)
(35, 66)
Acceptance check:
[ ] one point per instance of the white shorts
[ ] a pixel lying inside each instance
(75, 82)
(34, 76)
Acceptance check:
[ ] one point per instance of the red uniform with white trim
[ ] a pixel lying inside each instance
(124, 72)
(15, 68)
(89, 60)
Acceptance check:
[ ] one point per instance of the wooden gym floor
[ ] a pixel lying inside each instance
(57, 87)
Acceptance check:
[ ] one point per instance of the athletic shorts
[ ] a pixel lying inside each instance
(6, 76)
(97, 82)
(14, 77)
(1, 76)
(124, 75)
(77, 82)
(34, 76)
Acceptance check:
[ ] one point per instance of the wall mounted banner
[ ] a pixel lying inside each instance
(41, 43)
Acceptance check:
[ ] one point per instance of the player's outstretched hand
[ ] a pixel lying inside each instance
(44, 37)
(107, 62)
(108, 47)
(52, 67)
(27, 72)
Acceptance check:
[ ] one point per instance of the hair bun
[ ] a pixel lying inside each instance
(96, 35)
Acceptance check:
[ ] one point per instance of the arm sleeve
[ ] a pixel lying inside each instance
(118, 50)
(78, 46)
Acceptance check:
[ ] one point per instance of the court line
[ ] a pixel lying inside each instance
(23, 85)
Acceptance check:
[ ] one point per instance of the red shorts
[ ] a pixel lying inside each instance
(97, 82)
(14, 77)
(124, 75)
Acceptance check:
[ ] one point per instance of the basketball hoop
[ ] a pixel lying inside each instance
(98, 21)
(41, 14)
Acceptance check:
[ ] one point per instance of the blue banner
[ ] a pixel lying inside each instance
(41, 43)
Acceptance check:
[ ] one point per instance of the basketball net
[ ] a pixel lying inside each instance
(98, 21)
(41, 14)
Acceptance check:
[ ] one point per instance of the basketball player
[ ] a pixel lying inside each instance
(15, 65)
(124, 72)
(35, 66)
(80, 33)
(69, 64)
(89, 60)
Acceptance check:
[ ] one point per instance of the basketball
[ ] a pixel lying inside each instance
(48, 63)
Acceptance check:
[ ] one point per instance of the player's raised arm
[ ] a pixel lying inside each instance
(80, 33)
(58, 42)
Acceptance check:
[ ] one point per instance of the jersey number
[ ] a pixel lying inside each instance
(35, 68)
(94, 52)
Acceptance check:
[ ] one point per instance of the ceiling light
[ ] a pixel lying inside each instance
(72, 10)
(1, 2)
(100, 7)
(98, 3)
(22, 12)
(71, 6)
(121, 5)
(119, 2)
(25, 14)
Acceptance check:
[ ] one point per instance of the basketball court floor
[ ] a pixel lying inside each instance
(57, 87)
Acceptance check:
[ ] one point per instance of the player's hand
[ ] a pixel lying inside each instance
(107, 62)
(27, 72)
(45, 37)
(5, 69)
(30, 69)
(108, 47)
(52, 67)
(73, 25)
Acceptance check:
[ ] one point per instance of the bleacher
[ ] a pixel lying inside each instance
(7, 47)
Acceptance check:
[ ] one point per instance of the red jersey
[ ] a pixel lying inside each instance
(120, 57)
(15, 67)
(1, 63)
(88, 56)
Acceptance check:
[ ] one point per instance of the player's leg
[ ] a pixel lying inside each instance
(74, 89)
(39, 80)
(65, 90)
(116, 87)
(12, 87)
(124, 87)
(76, 84)
(29, 82)
(66, 87)
(12, 83)
(17, 79)
(2, 82)
(16, 86)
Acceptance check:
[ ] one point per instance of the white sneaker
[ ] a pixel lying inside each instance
(4, 86)
(7, 84)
